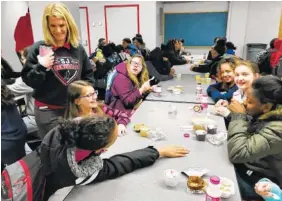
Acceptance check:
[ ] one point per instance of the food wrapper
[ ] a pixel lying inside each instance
(217, 139)
(156, 134)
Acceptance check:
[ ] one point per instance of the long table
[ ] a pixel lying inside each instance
(185, 68)
(147, 184)
(188, 95)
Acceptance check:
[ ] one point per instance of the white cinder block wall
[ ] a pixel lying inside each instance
(8, 23)
(147, 16)
(248, 22)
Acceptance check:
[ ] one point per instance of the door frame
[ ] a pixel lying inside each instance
(87, 26)
(120, 6)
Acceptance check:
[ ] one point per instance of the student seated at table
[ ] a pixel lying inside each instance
(211, 67)
(275, 56)
(224, 89)
(215, 42)
(182, 50)
(111, 55)
(82, 102)
(246, 72)
(13, 128)
(129, 47)
(123, 55)
(255, 146)
(171, 51)
(99, 56)
(141, 46)
(262, 54)
(162, 64)
(266, 188)
(65, 166)
(129, 85)
(230, 48)
(154, 73)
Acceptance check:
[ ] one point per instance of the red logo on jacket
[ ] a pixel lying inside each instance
(66, 69)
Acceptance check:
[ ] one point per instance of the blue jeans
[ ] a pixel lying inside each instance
(247, 190)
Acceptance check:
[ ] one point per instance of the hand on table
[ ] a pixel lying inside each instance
(193, 66)
(173, 151)
(121, 130)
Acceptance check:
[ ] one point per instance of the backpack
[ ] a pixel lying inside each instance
(110, 80)
(264, 63)
(92, 55)
(24, 180)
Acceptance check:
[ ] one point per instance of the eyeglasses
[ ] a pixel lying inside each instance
(95, 93)
(134, 63)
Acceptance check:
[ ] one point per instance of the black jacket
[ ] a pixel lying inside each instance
(50, 87)
(154, 73)
(174, 57)
(156, 58)
(56, 157)
(210, 67)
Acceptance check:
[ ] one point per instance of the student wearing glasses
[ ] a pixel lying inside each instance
(130, 85)
(82, 102)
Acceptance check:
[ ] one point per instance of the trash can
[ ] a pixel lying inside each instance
(253, 49)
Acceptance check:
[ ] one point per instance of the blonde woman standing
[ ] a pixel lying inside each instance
(50, 74)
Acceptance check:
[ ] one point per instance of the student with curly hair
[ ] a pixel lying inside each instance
(64, 166)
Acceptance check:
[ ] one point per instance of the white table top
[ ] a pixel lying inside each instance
(185, 70)
(147, 184)
(188, 95)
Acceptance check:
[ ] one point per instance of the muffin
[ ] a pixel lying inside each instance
(195, 183)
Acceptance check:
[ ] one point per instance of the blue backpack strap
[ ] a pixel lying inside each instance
(110, 80)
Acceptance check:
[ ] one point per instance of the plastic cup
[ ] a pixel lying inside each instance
(202, 80)
(178, 76)
(201, 135)
(208, 80)
(197, 78)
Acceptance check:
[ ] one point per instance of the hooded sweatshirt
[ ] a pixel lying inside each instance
(275, 55)
(50, 87)
(255, 146)
(125, 94)
(61, 168)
